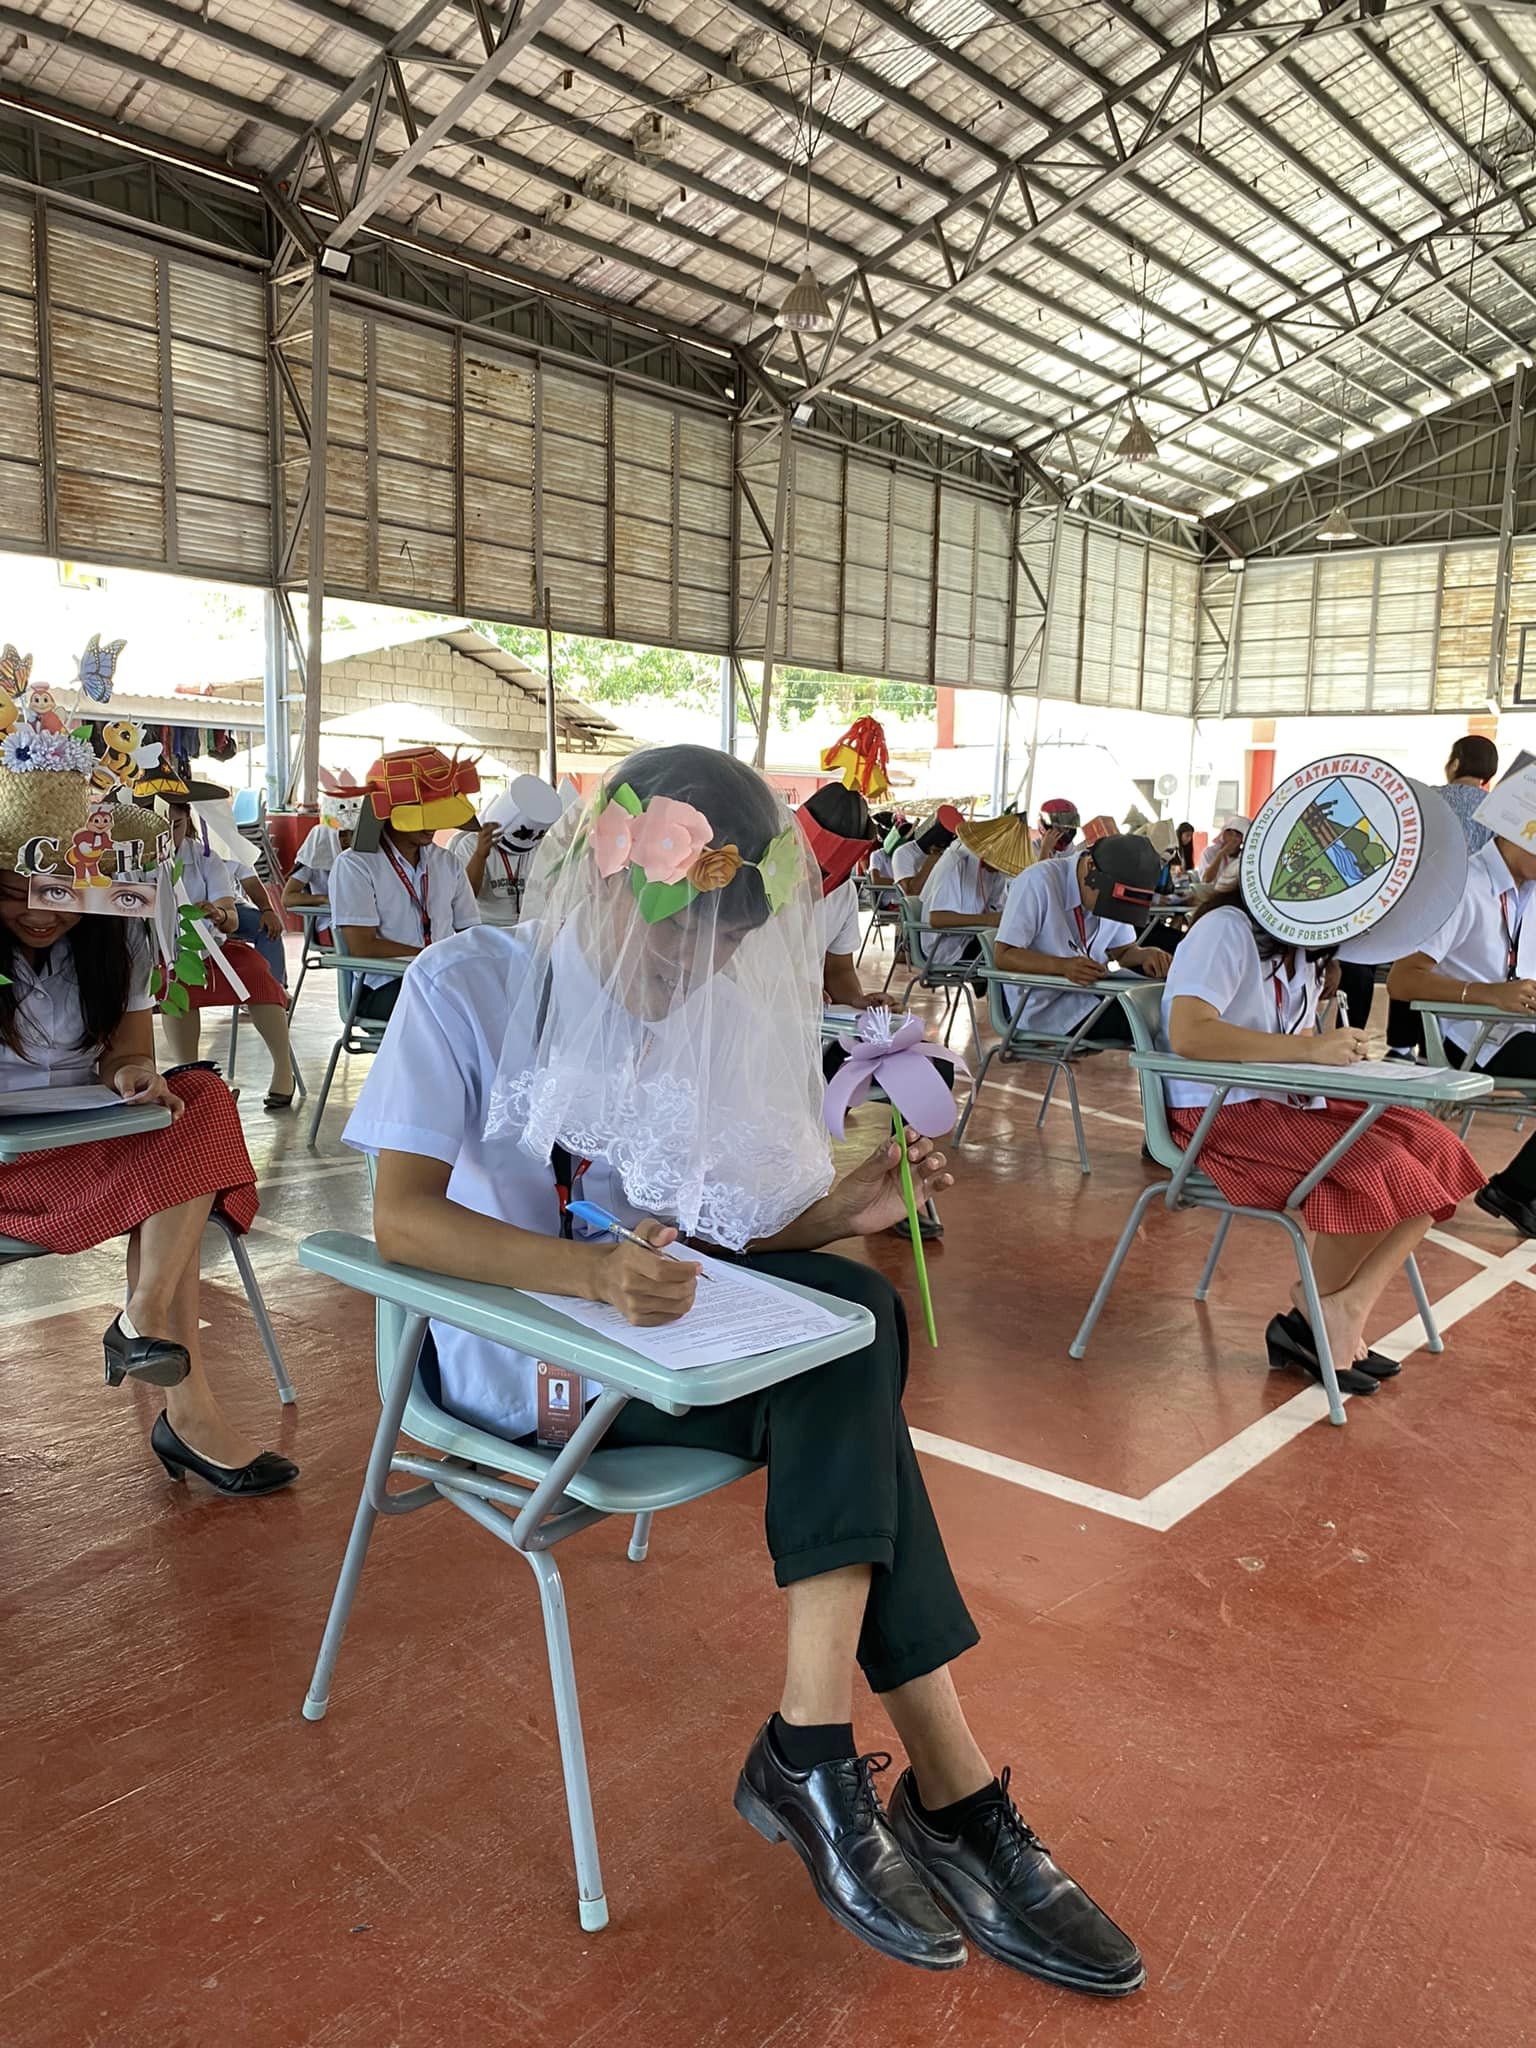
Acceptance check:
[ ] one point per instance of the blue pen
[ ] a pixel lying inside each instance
(598, 1219)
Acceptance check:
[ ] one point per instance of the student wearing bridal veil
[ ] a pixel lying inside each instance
(649, 1037)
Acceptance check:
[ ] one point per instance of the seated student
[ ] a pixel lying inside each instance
(915, 859)
(1182, 863)
(75, 1008)
(210, 884)
(1235, 992)
(1221, 861)
(967, 887)
(840, 832)
(880, 859)
(1476, 958)
(1073, 918)
(498, 852)
(1060, 820)
(659, 1048)
(1469, 772)
(308, 887)
(395, 900)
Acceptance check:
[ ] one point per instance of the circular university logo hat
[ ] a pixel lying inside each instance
(1350, 852)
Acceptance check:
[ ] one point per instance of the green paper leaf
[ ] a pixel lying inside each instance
(175, 1002)
(663, 899)
(192, 970)
(626, 800)
(637, 882)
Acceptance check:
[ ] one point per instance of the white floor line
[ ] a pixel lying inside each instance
(1108, 1116)
(1177, 1498)
(1478, 1254)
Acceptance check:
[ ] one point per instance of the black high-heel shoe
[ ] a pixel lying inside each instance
(1287, 1355)
(1376, 1363)
(266, 1472)
(154, 1360)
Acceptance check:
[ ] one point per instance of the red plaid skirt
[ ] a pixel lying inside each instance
(216, 994)
(1407, 1165)
(69, 1200)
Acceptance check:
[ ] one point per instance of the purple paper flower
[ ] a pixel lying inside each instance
(893, 1057)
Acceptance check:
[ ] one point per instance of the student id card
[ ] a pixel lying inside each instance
(559, 1407)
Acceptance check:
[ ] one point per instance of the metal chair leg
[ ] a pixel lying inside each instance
(1077, 1121)
(234, 1045)
(640, 1539)
(1127, 1236)
(1315, 1318)
(375, 1479)
(965, 1114)
(1208, 1273)
(1050, 1090)
(1432, 1337)
(591, 1904)
(256, 1301)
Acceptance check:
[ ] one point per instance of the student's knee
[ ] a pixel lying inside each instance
(862, 1285)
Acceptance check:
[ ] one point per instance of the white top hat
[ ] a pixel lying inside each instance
(525, 810)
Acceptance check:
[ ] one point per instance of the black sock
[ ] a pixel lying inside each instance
(804, 1748)
(949, 1820)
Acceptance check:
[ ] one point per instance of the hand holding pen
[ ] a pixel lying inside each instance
(638, 1279)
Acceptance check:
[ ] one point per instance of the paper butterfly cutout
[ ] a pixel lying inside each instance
(98, 665)
(15, 670)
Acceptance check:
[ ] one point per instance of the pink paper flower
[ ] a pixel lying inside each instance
(613, 839)
(668, 839)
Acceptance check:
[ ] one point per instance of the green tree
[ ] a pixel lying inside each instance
(618, 672)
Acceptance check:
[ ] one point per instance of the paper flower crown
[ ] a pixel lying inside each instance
(665, 844)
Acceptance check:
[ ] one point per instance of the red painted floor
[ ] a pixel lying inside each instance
(1286, 1739)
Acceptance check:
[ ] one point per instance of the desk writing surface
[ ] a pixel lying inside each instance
(24, 1134)
(1375, 1081)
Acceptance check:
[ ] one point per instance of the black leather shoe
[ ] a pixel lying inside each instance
(1376, 1363)
(266, 1472)
(832, 1818)
(1289, 1353)
(154, 1360)
(1508, 1208)
(997, 1880)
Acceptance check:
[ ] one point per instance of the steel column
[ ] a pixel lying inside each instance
(319, 418)
(274, 691)
(1498, 634)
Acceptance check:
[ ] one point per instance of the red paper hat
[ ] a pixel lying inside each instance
(860, 758)
(418, 789)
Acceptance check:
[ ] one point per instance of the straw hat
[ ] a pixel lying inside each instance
(1002, 843)
(40, 805)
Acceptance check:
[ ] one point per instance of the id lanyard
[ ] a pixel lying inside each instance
(1511, 938)
(1286, 1030)
(569, 1173)
(1082, 930)
(514, 875)
(420, 901)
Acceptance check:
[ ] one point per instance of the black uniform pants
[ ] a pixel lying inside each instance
(844, 1486)
(1515, 1058)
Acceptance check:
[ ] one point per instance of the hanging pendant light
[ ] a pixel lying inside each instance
(1337, 526)
(1139, 443)
(804, 309)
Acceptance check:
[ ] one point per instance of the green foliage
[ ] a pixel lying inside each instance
(614, 672)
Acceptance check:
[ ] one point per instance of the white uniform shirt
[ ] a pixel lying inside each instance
(1219, 870)
(1474, 944)
(960, 883)
(449, 1025)
(1218, 961)
(366, 890)
(837, 920)
(500, 895)
(49, 1021)
(906, 861)
(1037, 915)
(880, 865)
(206, 877)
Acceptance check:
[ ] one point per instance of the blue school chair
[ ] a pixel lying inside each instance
(1061, 1051)
(1188, 1188)
(952, 979)
(358, 1034)
(548, 1495)
(1518, 1093)
(20, 1135)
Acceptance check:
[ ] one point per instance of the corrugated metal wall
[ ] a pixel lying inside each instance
(132, 401)
(1124, 621)
(1396, 629)
(888, 571)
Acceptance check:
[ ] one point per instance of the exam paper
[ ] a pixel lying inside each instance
(1394, 1070)
(58, 1101)
(735, 1314)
